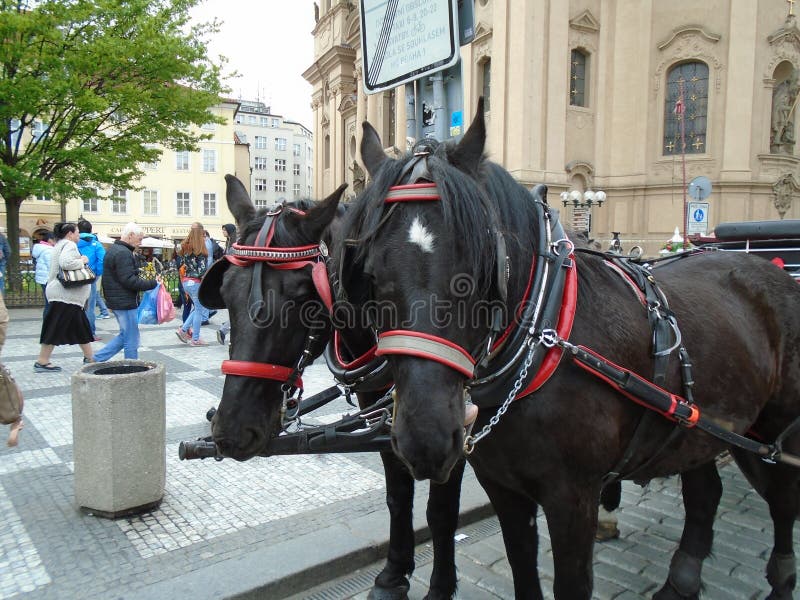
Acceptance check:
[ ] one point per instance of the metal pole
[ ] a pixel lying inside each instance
(683, 161)
(438, 105)
(411, 113)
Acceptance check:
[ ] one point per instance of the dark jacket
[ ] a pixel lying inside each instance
(121, 280)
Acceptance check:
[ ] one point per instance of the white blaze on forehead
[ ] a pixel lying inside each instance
(420, 236)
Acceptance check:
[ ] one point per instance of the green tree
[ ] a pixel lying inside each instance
(86, 88)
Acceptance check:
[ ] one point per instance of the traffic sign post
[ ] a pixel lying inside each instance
(697, 218)
(405, 39)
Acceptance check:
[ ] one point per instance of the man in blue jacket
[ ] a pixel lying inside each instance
(91, 248)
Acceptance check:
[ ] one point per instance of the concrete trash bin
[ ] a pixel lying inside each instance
(119, 436)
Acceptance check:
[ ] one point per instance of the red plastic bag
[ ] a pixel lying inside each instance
(164, 306)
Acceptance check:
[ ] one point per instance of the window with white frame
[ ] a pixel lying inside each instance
(296, 190)
(309, 173)
(260, 163)
(39, 129)
(182, 160)
(151, 166)
(280, 143)
(280, 185)
(261, 142)
(89, 202)
(44, 197)
(261, 203)
(296, 150)
(209, 161)
(276, 122)
(209, 204)
(251, 119)
(119, 201)
(211, 126)
(261, 185)
(183, 204)
(14, 131)
(309, 191)
(296, 169)
(264, 121)
(280, 164)
(309, 153)
(150, 202)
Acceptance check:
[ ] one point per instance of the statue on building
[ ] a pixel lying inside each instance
(359, 178)
(316, 12)
(784, 99)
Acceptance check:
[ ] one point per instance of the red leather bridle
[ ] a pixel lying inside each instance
(280, 258)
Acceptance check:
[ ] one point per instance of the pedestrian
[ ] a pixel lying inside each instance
(91, 248)
(121, 285)
(42, 252)
(229, 233)
(193, 257)
(5, 253)
(65, 321)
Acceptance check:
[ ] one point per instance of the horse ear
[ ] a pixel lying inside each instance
(239, 202)
(371, 149)
(469, 151)
(317, 219)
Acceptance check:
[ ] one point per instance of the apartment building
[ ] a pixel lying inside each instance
(281, 155)
(180, 188)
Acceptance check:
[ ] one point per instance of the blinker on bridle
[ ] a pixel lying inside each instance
(285, 259)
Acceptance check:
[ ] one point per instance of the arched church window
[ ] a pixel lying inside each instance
(686, 109)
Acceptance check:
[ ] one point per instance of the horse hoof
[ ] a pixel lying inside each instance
(606, 531)
(399, 592)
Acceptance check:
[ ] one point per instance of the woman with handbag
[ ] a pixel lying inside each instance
(65, 321)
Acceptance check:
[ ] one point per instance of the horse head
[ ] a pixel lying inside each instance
(273, 285)
(428, 242)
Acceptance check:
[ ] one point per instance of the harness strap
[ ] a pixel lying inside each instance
(667, 404)
(423, 345)
(246, 368)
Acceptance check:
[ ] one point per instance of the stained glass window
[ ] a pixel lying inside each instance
(692, 79)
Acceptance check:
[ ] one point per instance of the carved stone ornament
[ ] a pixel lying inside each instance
(785, 46)
(785, 189)
(690, 42)
(585, 21)
(583, 168)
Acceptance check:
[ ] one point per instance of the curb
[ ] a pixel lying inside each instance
(296, 565)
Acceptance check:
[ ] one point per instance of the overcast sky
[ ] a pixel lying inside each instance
(269, 43)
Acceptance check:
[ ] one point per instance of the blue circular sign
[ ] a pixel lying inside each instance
(699, 215)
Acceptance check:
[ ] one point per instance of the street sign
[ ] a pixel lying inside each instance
(405, 39)
(697, 217)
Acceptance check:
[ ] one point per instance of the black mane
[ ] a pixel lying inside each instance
(470, 204)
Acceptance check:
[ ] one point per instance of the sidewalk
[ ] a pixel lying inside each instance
(276, 525)
(311, 527)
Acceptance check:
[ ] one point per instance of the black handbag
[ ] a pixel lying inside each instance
(70, 278)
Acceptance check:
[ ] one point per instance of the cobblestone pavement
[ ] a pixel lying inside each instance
(631, 567)
(223, 528)
(271, 527)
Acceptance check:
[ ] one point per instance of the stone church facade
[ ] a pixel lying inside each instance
(601, 95)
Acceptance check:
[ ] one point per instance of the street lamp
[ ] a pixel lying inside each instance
(587, 199)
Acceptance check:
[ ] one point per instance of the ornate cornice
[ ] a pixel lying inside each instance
(585, 22)
(693, 30)
(690, 43)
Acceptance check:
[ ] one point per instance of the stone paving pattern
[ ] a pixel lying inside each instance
(212, 512)
(272, 526)
(629, 568)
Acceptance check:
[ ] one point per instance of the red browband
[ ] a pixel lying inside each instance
(414, 192)
(245, 368)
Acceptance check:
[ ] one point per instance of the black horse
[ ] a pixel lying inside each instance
(279, 315)
(459, 249)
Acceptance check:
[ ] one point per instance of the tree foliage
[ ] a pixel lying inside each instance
(88, 86)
